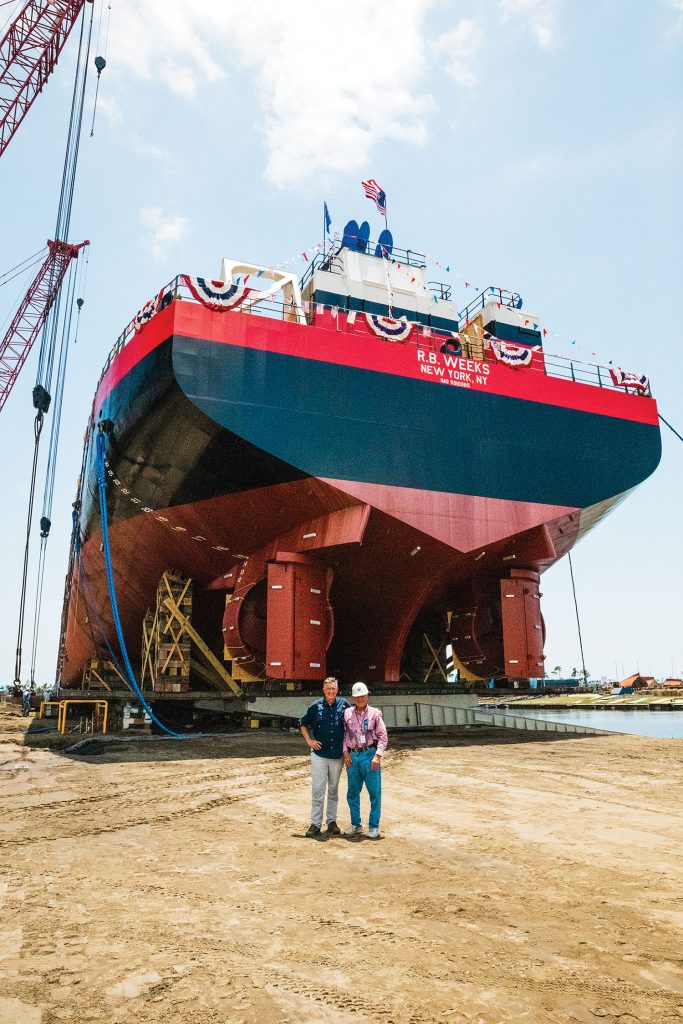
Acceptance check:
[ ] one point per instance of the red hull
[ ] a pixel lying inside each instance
(219, 420)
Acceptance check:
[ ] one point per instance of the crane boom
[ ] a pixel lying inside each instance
(32, 313)
(29, 52)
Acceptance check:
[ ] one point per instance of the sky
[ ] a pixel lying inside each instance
(530, 144)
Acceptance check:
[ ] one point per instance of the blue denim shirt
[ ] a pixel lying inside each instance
(325, 722)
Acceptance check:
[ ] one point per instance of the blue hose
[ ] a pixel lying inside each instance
(101, 486)
(91, 609)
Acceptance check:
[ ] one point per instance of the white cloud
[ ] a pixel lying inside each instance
(321, 115)
(110, 108)
(163, 230)
(460, 48)
(330, 87)
(539, 14)
(678, 6)
(155, 153)
(168, 42)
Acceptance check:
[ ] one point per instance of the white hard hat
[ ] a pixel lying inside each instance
(359, 690)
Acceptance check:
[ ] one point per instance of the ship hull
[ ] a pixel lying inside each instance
(231, 431)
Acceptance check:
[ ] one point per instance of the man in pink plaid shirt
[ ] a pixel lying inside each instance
(365, 740)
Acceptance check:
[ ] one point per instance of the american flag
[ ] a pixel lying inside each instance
(377, 194)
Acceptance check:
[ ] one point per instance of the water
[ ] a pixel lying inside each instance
(663, 724)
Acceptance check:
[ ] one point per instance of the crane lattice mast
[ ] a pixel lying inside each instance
(29, 319)
(29, 52)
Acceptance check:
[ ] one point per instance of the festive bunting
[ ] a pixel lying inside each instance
(216, 295)
(624, 379)
(309, 252)
(387, 327)
(511, 355)
(150, 309)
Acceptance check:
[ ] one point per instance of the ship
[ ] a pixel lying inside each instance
(352, 472)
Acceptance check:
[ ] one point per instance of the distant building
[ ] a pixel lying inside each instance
(673, 684)
(634, 682)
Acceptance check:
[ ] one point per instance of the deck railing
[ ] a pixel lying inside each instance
(430, 338)
(490, 294)
(330, 262)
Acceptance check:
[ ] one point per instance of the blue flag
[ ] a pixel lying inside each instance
(328, 220)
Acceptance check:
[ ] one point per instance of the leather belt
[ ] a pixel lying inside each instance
(358, 750)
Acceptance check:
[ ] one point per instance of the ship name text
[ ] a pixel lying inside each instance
(453, 370)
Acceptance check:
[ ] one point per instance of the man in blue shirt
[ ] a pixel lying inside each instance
(323, 729)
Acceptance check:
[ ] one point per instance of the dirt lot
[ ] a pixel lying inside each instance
(518, 880)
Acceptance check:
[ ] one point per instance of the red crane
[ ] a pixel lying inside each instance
(32, 313)
(29, 52)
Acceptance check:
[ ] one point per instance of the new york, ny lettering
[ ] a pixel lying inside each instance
(453, 370)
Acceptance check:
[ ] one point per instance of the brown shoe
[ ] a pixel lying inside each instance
(333, 829)
(313, 831)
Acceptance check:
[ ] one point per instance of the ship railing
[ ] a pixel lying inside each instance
(511, 299)
(274, 308)
(442, 290)
(429, 338)
(585, 373)
(331, 262)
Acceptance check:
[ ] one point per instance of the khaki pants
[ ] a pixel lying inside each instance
(325, 775)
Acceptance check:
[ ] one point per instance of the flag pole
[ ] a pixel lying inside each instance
(324, 230)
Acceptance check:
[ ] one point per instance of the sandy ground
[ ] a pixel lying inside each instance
(519, 880)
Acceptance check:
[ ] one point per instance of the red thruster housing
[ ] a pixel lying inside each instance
(299, 620)
(523, 627)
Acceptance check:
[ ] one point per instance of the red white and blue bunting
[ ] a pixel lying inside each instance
(388, 328)
(448, 267)
(624, 379)
(217, 295)
(511, 355)
(149, 310)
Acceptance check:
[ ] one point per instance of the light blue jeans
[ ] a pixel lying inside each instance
(358, 773)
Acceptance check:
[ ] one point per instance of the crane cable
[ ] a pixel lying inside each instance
(37, 428)
(578, 621)
(11, 16)
(41, 391)
(571, 570)
(21, 268)
(672, 429)
(50, 472)
(100, 61)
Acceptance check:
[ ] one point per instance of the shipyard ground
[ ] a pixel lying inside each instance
(520, 879)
